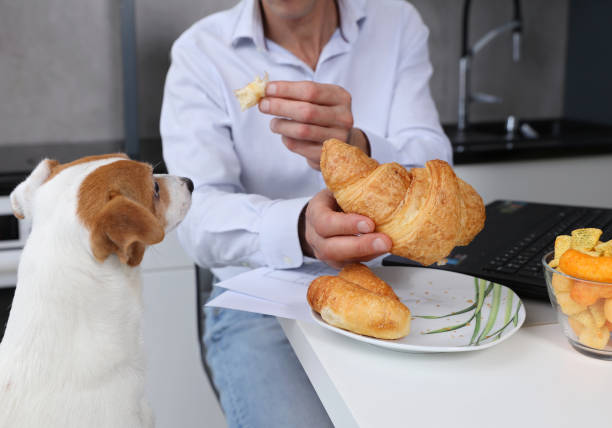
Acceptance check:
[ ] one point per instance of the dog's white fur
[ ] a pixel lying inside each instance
(72, 352)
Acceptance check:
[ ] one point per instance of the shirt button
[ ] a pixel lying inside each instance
(287, 260)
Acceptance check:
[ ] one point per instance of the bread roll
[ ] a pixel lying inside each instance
(366, 305)
(361, 275)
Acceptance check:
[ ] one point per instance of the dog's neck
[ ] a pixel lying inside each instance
(74, 312)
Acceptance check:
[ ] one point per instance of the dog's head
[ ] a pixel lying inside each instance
(119, 202)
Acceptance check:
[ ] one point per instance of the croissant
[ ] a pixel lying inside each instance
(425, 211)
(361, 275)
(359, 301)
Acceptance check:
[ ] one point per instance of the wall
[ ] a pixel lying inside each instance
(60, 70)
(158, 24)
(530, 88)
(60, 66)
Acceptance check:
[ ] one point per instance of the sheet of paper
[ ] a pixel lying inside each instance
(269, 291)
(287, 286)
(243, 302)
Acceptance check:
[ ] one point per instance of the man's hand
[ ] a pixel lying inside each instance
(338, 238)
(310, 113)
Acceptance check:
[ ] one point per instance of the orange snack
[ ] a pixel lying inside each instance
(576, 325)
(585, 318)
(598, 314)
(605, 291)
(568, 305)
(584, 294)
(608, 309)
(594, 337)
(561, 283)
(587, 267)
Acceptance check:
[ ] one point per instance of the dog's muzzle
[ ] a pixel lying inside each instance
(189, 183)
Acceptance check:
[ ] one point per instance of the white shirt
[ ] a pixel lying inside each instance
(249, 188)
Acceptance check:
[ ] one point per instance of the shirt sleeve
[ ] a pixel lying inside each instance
(225, 226)
(414, 134)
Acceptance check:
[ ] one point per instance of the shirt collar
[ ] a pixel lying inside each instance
(352, 13)
(250, 23)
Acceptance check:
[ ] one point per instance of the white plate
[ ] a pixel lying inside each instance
(435, 292)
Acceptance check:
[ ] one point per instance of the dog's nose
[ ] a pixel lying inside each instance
(189, 183)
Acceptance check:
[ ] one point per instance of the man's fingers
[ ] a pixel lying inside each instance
(337, 238)
(308, 149)
(344, 248)
(307, 132)
(306, 112)
(313, 164)
(318, 93)
(328, 223)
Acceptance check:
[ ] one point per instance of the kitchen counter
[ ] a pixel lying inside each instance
(484, 143)
(17, 160)
(528, 139)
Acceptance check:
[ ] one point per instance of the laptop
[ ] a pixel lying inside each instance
(517, 234)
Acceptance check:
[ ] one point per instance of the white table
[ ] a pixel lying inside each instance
(533, 379)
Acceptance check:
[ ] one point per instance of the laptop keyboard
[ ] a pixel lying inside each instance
(524, 257)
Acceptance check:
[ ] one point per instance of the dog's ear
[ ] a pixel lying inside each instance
(22, 196)
(125, 228)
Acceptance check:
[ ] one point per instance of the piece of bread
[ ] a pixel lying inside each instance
(358, 301)
(425, 211)
(252, 93)
(361, 275)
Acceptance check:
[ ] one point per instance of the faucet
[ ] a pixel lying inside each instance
(467, 55)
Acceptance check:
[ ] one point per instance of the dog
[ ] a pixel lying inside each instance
(72, 352)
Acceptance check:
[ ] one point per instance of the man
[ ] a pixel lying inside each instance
(355, 70)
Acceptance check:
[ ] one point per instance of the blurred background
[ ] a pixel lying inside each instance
(61, 77)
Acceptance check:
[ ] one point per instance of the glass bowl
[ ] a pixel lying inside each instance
(581, 308)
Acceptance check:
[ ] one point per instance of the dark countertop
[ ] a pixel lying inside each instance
(483, 142)
(17, 160)
(490, 142)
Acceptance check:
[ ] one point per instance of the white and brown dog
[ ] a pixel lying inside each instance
(72, 352)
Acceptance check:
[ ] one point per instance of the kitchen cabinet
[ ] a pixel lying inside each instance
(177, 387)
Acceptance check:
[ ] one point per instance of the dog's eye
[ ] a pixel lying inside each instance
(156, 189)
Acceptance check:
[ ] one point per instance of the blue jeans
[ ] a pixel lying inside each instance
(259, 378)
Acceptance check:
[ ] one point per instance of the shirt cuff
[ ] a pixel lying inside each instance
(380, 148)
(280, 241)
